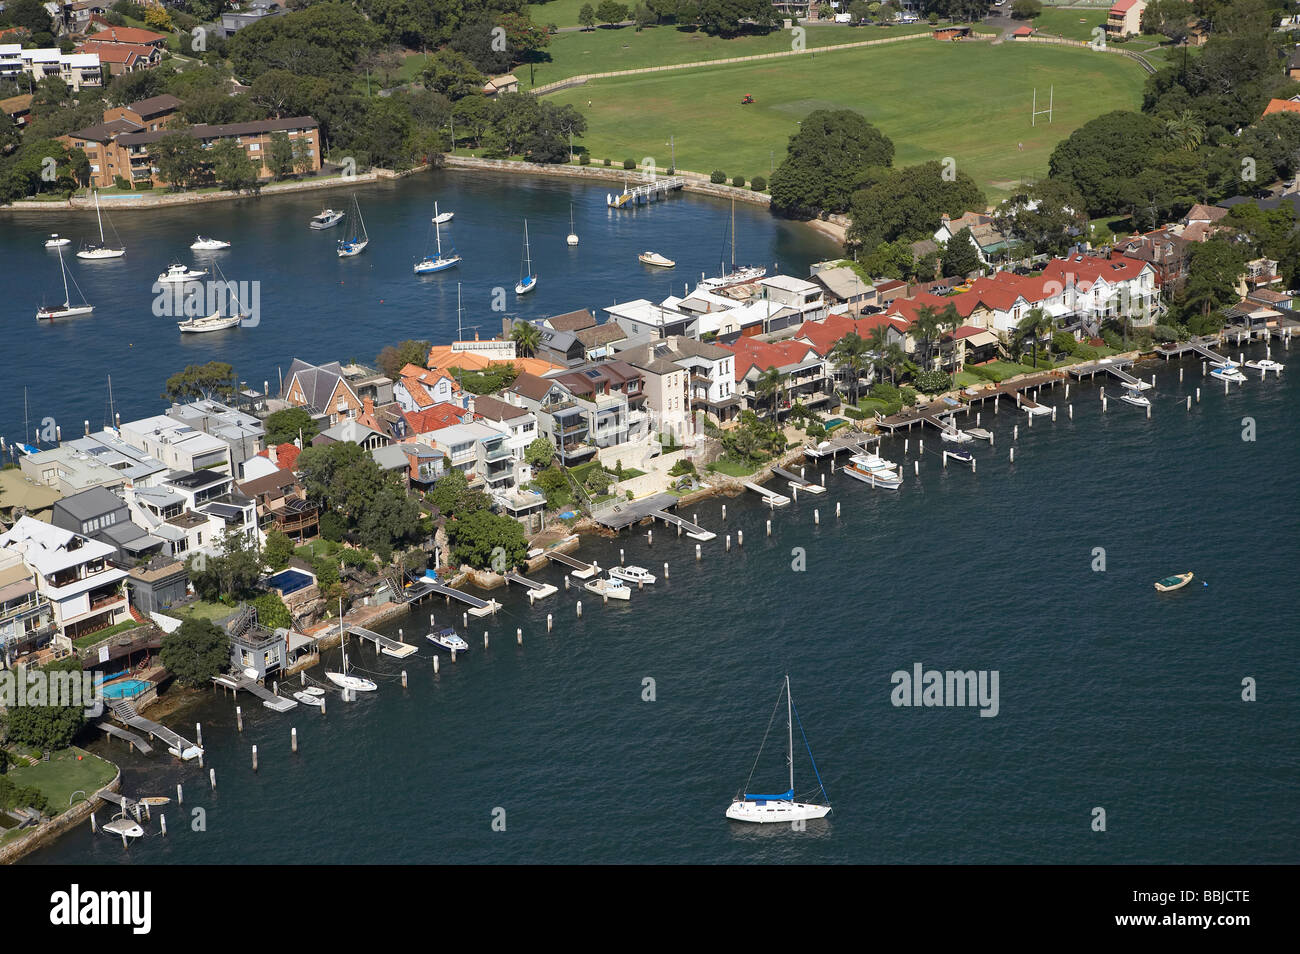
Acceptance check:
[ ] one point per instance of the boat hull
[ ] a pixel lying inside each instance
(766, 812)
(51, 314)
(1164, 586)
(350, 251)
(205, 325)
(524, 287)
(100, 254)
(886, 481)
(429, 266)
(624, 574)
(355, 683)
(610, 592)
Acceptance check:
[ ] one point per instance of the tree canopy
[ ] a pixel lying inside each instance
(216, 379)
(198, 650)
(825, 161)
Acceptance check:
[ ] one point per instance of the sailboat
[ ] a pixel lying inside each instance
(342, 679)
(355, 244)
(217, 321)
(94, 252)
(437, 262)
(527, 281)
(573, 233)
(68, 310)
(783, 807)
(750, 273)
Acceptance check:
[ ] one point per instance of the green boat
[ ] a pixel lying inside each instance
(1176, 582)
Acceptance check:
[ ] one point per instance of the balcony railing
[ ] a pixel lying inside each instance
(497, 453)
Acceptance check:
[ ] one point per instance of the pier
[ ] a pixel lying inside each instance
(770, 497)
(799, 482)
(692, 530)
(477, 607)
(253, 687)
(385, 644)
(625, 514)
(583, 571)
(1198, 346)
(536, 591)
(136, 742)
(909, 417)
(176, 744)
(854, 441)
(1112, 366)
(648, 192)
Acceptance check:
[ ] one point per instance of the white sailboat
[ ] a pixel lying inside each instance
(527, 281)
(68, 310)
(437, 262)
(441, 218)
(356, 243)
(783, 807)
(342, 679)
(218, 320)
(100, 251)
(736, 276)
(54, 241)
(573, 233)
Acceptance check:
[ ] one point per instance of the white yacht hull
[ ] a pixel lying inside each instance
(612, 592)
(763, 812)
(630, 574)
(52, 313)
(211, 323)
(523, 288)
(957, 437)
(1136, 400)
(97, 254)
(355, 683)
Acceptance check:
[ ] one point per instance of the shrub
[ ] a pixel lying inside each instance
(1164, 333)
(718, 177)
(1064, 343)
(738, 182)
(671, 171)
(1112, 339)
(933, 18)
(758, 184)
(908, 396)
(122, 183)
(681, 468)
(629, 163)
(144, 185)
(584, 160)
(933, 382)
(852, 413)
(607, 162)
(1086, 353)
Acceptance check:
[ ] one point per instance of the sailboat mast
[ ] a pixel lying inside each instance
(98, 218)
(460, 335)
(437, 230)
(733, 268)
(789, 726)
(67, 299)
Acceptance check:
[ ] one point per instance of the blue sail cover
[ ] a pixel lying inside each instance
(787, 797)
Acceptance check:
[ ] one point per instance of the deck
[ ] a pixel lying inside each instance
(385, 644)
(692, 530)
(536, 591)
(770, 497)
(109, 729)
(477, 607)
(253, 687)
(801, 482)
(633, 511)
(582, 571)
(176, 743)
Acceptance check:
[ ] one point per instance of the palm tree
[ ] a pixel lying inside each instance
(947, 320)
(924, 326)
(1033, 326)
(1186, 130)
(770, 383)
(894, 359)
(527, 337)
(850, 355)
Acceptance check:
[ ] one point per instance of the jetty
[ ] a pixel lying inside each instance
(536, 591)
(910, 417)
(770, 497)
(583, 571)
(692, 530)
(854, 441)
(799, 483)
(628, 512)
(477, 607)
(647, 192)
(1113, 366)
(1200, 346)
(253, 687)
(177, 744)
(136, 742)
(385, 644)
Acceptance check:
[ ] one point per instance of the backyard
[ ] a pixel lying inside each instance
(67, 771)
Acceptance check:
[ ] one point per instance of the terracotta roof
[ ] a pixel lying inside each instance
(1281, 106)
(442, 356)
(126, 34)
(117, 52)
(823, 335)
(286, 456)
(437, 417)
(753, 354)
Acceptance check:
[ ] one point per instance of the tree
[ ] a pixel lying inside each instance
(393, 359)
(539, 453)
(860, 10)
(1026, 9)
(231, 574)
(284, 427)
(526, 337)
(1213, 268)
(216, 379)
(598, 481)
(611, 12)
(453, 74)
(49, 726)
(180, 159)
(960, 256)
(303, 161)
(1047, 215)
(158, 19)
(1033, 327)
(231, 166)
(485, 540)
(30, 14)
(1167, 17)
(271, 611)
(277, 551)
(728, 17)
(280, 158)
(1100, 157)
(850, 356)
(587, 17)
(908, 204)
(769, 385)
(344, 480)
(51, 93)
(825, 160)
(925, 328)
(198, 650)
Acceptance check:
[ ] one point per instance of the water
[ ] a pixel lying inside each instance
(318, 307)
(1111, 695)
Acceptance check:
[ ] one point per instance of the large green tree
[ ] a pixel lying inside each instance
(909, 204)
(284, 427)
(825, 162)
(485, 540)
(49, 726)
(198, 650)
(181, 160)
(216, 379)
(1102, 156)
(393, 358)
(960, 257)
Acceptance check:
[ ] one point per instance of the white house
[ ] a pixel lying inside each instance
(177, 444)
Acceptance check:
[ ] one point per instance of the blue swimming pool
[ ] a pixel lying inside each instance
(126, 689)
(835, 422)
(290, 581)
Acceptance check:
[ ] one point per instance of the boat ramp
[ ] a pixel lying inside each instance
(770, 497)
(797, 482)
(477, 607)
(242, 682)
(583, 571)
(692, 530)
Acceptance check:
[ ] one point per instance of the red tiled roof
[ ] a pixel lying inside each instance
(126, 34)
(437, 417)
(287, 456)
(1281, 106)
(762, 355)
(116, 52)
(1023, 31)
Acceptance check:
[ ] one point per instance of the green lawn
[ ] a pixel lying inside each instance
(603, 50)
(965, 379)
(1001, 370)
(978, 98)
(1066, 22)
(870, 405)
(81, 642)
(725, 465)
(202, 609)
(61, 776)
(563, 13)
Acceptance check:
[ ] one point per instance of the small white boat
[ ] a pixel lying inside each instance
(956, 436)
(201, 244)
(613, 588)
(214, 322)
(874, 470)
(100, 251)
(437, 262)
(356, 243)
(307, 699)
(747, 807)
(1229, 372)
(155, 800)
(55, 242)
(1265, 365)
(632, 574)
(572, 238)
(527, 280)
(446, 638)
(442, 218)
(655, 259)
(179, 274)
(1175, 582)
(123, 827)
(68, 310)
(964, 456)
(326, 219)
(345, 681)
(314, 691)
(1135, 397)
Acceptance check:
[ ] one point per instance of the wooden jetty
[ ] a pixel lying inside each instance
(628, 512)
(647, 192)
(385, 644)
(799, 482)
(692, 530)
(1112, 366)
(536, 591)
(854, 441)
(135, 741)
(242, 682)
(1199, 346)
(770, 497)
(176, 744)
(583, 571)
(477, 607)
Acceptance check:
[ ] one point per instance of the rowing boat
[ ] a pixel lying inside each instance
(1175, 582)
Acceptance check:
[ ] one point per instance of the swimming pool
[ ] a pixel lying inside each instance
(835, 422)
(126, 689)
(290, 581)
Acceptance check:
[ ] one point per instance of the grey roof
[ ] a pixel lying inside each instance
(843, 282)
(558, 340)
(318, 381)
(694, 348)
(653, 357)
(572, 321)
(106, 132)
(498, 410)
(597, 335)
(154, 105)
(391, 457)
(89, 504)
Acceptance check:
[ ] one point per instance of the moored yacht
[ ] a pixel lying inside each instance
(446, 638)
(1230, 371)
(613, 588)
(326, 219)
(874, 470)
(201, 244)
(1265, 365)
(180, 274)
(632, 574)
(1135, 397)
(54, 241)
(956, 436)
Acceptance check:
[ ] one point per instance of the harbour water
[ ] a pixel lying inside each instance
(1110, 695)
(319, 307)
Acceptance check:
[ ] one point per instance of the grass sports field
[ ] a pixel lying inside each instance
(970, 101)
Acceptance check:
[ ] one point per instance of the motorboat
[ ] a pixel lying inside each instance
(655, 259)
(613, 588)
(201, 244)
(446, 638)
(123, 827)
(1266, 365)
(783, 807)
(1175, 582)
(442, 218)
(964, 456)
(956, 436)
(68, 310)
(213, 322)
(1135, 397)
(632, 574)
(873, 470)
(314, 691)
(179, 274)
(437, 262)
(54, 241)
(308, 699)
(326, 219)
(1229, 372)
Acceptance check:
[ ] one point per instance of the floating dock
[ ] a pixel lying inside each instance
(536, 591)
(801, 483)
(625, 514)
(583, 571)
(177, 744)
(1200, 346)
(770, 497)
(692, 530)
(385, 644)
(477, 607)
(269, 698)
(647, 192)
(109, 729)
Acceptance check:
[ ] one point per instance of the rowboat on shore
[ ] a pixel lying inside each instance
(1175, 582)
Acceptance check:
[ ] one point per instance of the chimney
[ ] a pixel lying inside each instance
(368, 406)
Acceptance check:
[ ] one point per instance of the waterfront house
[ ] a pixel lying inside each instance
(282, 505)
(137, 468)
(1260, 273)
(844, 286)
(478, 451)
(641, 318)
(559, 417)
(321, 390)
(68, 470)
(179, 445)
(517, 423)
(212, 494)
(599, 341)
(806, 377)
(21, 496)
(418, 388)
(102, 515)
(253, 646)
(352, 431)
(165, 513)
(158, 585)
(711, 378)
(85, 591)
(610, 394)
(1166, 250)
(666, 386)
(244, 434)
(560, 348)
(574, 321)
(26, 617)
